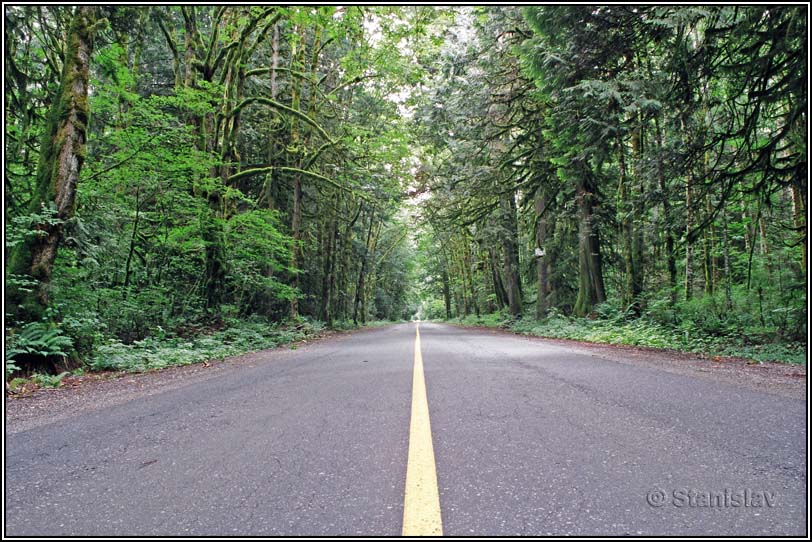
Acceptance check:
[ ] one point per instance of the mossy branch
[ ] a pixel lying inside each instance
(289, 110)
(285, 169)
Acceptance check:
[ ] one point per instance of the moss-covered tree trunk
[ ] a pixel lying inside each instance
(510, 249)
(591, 289)
(297, 62)
(328, 274)
(359, 289)
(671, 261)
(446, 293)
(61, 157)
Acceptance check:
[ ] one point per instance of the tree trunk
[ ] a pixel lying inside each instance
(671, 262)
(636, 230)
(689, 245)
(446, 294)
(707, 261)
(728, 300)
(471, 279)
(329, 275)
(624, 217)
(61, 157)
(275, 62)
(296, 234)
(296, 218)
(591, 289)
(542, 304)
(510, 247)
(498, 285)
(131, 252)
(359, 289)
(798, 215)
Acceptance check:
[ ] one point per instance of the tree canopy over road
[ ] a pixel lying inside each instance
(190, 181)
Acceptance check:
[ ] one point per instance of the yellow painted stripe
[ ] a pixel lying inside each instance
(421, 506)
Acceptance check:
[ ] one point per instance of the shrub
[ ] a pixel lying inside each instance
(36, 344)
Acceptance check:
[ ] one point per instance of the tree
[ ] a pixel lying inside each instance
(62, 154)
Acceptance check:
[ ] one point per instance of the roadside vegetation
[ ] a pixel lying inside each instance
(613, 327)
(161, 350)
(191, 182)
(185, 183)
(631, 175)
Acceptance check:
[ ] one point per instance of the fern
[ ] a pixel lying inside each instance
(37, 339)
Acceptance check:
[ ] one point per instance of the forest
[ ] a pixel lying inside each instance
(185, 183)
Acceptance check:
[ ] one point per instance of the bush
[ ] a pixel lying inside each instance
(238, 337)
(36, 344)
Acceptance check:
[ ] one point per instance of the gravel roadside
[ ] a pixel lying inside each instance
(96, 391)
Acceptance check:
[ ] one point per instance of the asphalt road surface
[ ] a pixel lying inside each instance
(529, 438)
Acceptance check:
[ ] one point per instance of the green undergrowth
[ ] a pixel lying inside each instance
(238, 337)
(161, 350)
(348, 324)
(645, 332)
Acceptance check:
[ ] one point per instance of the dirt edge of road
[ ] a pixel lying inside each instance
(95, 391)
(776, 378)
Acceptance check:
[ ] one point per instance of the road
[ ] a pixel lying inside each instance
(524, 438)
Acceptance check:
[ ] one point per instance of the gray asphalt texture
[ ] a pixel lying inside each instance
(529, 439)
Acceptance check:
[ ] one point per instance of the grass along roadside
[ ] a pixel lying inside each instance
(642, 332)
(160, 351)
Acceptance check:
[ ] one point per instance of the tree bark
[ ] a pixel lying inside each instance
(296, 217)
(798, 216)
(329, 276)
(671, 262)
(359, 289)
(510, 248)
(446, 294)
(60, 163)
(542, 304)
(498, 285)
(591, 289)
(689, 245)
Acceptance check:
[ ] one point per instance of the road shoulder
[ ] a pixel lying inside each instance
(775, 378)
(95, 391)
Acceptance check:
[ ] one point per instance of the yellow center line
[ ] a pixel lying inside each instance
(421, 505)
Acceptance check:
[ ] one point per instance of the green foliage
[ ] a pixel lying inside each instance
(25, 226)
(36, 339)
(258, 254)
(49, 381)
(432, 309)
(643, 331)
(752, 317)
(412, 163)
(238, 337)
(497, 319)
(10, 367)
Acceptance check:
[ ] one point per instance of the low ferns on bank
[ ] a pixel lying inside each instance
(36, 339)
